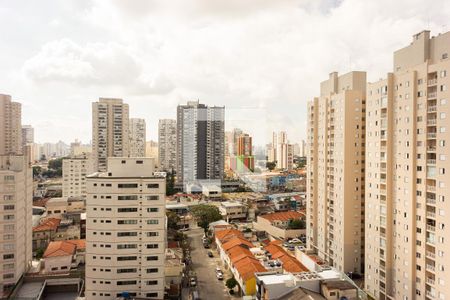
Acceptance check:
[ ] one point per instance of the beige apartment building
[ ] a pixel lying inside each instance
(137, 137)
(110, 126)
(74, 173)
(408, 190)
(335, 159)
(11, 126)
(125, 231)
(167, 144)
(16, 194)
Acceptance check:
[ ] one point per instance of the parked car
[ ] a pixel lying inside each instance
(301, 248)
(218, 270)
(294, 241)
(206, 245)
(219, 276)
(193, 281)
(210, 254)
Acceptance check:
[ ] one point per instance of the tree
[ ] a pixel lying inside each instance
(231, 283)
(172, 220)
(271, 165)
(297, 224)
(55, 164)
(37, 171)
(206, 214)
(39, 253)
(170, 183)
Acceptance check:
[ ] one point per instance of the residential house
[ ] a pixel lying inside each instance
(278, 224)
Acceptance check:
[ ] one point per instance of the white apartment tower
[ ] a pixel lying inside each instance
(74, 172)
(335, 170)
(125, 231)
(110, 119)
(137, 136)
(11, 129)
(167, 143)
(407, 164)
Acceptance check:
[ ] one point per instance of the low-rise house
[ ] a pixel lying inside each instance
(44, 233)
(231, 210)
(56, 207)
(59, 257)
(212, 191)
(282, 225)
(76, 205)
(289, 262)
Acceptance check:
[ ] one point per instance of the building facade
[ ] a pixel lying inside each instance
(125, 231)
(110, 126)
(167, 143)
(407, 188)
(74, 171)
(11, 129)
(137, 136)
(335, 171)
(16, 195)
(27, 136)
(200, 142)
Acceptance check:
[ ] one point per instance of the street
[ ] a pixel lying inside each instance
(209, 287)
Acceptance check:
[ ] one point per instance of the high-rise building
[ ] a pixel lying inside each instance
(303, 149)
(284, 152)
(11, 129)
(272, 149)
(125, 231)
(110, 119)
(407, 188)
(151, 150)
(243, 161)
(16, 196)
(137, 136)
(77, 148)
(27, 135)
(200, 142)
(167, 144)
(335, 170)
(74, 172)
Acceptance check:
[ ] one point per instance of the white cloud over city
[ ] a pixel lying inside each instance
(59, 56)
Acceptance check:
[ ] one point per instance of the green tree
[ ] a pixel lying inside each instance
(37, 171)
(39, 253)
(206, 214)
(170, 183)
(231, 283)
(55, 164)
(271, 165)
(172, 220)
(297, 224)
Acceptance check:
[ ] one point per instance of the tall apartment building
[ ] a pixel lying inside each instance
(244, 160)
(74, 172)
(200, 142)
(272, 149)
(125, 231)
(16, 194)
(167, 144)
(137, 136)
(407, 189)
(11, 129)
(335, 166)
(284, 151)
(110, 125)
(27, 135)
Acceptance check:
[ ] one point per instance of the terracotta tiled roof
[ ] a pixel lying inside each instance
(81, 244)
(48, 224)
(248, 266)
(283, 216)
(60, 248)
(225, 235)
(290, 263)
(236, 241)
(237, 253)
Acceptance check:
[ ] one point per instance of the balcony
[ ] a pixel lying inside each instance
(431, 148)
(430, 255)
(430, 294)
(431, 122)
(383, 136)
(431, 161)
(431, 201)
(432, 95)
(432, 81)
(431, 188)
(431, 228)
(430, 268)
(431, 135)
(431, 108)
(431, 215)
(430, 281)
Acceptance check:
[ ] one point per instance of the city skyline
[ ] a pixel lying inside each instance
(172, 55)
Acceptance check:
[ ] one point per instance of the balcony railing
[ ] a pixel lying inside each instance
(431, 254)
(431, 122)
(431, 161)
(432, 95)
(431, 108)
(430, 281)
(431, 228)
(432, 81)
(431, 188)
(431, 135)
(430, 268)
(431, 149)
(431, 214)
(431, 200)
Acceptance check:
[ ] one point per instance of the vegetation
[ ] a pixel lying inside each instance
(172, 220)
(231, 283)
(297, 224)
(170, 183)
(54, 169)
(271, 165)
(39, 253)
(206, 214)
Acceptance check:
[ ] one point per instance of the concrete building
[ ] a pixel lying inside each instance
(137, 136)
(77, 148)
(27, 136)
(200, 142)
(110, 126)
(11, 126)
(284, 152)
(152, 151)
(407, 188)
(167, 144)
(125, 231)
(335, 171)
(277, 224)
(74, 173)
(16, 194)
(233, 210)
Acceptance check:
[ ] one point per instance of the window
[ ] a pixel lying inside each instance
(126, 258)
(121, 222)
(152, 209)
(127, 185)
(152, 222)
(126, 246)
(152, 246)
(8, 256)
(127, 209)
(151, 295)
(152, 258)
(153, 197)
(121, 234)
(128, 197)
(152, 270)
(152, 282)
(152, 233)
(129, 270)
(139, 162)
(153, 185)
(126, 282)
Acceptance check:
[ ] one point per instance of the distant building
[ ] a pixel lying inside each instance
(152, 151)
(27, 136)
(137, 136)
(278, 224)
(77, 149)
(74, 171)
(244, 160)
(200, 142)
(126, 231)
(11, 126)
(233, 211)
(110, 126)
(167, 144)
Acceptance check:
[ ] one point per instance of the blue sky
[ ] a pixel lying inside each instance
(264, 56)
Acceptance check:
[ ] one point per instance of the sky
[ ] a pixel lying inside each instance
(261, 59)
